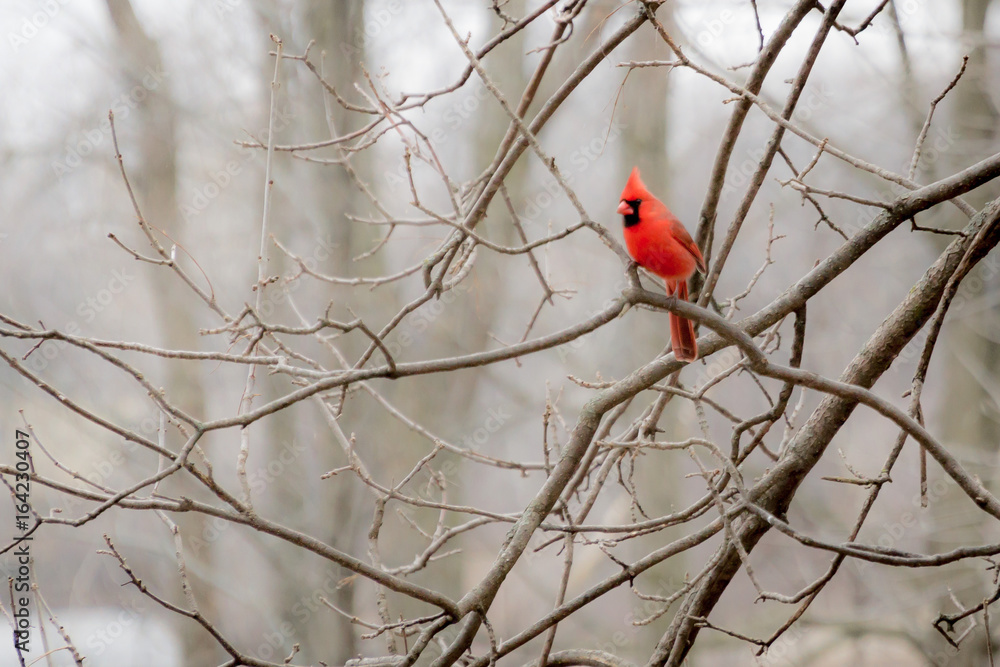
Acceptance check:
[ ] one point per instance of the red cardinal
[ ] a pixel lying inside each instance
(658, 242)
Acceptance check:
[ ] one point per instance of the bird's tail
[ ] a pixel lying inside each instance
(682, 338)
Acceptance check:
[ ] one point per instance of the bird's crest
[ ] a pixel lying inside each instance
(635, 188)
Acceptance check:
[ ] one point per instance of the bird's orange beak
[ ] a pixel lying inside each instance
(624, 208)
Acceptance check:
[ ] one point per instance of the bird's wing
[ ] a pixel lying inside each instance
(685, 240)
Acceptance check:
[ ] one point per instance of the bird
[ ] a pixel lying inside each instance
(659, 243)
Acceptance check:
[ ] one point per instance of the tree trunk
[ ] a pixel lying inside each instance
(153, 168)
